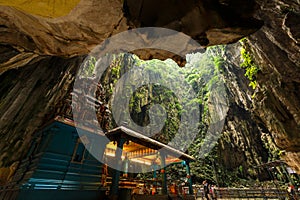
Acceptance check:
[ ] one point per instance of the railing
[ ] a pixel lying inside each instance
(131, 183)
(242, 193)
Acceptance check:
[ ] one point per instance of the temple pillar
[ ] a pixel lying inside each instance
(164, 175)
(114, 190)
(189, 177)
(126, 166)
(154, 171)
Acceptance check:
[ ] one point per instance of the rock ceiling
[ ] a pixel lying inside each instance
(25, 27)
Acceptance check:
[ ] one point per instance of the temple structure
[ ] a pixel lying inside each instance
(59, 164)
(138, 148)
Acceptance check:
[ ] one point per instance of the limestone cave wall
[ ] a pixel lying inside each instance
(39, 57)
(29, 98)
(276, 49)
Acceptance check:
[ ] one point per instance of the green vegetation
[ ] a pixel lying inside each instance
(203, 72)
(249, 65)
(89, 67)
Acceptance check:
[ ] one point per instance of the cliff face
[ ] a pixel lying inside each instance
(277, 51)
(29, 98)
(245, 142)
(243, 134)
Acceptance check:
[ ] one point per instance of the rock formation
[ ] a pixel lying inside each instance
(277, 51)
(91, 22)
(40, 55)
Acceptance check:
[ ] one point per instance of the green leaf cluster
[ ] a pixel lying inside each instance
(251, 68)
(89, 67)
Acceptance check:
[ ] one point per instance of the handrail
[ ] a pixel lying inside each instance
(257, 193)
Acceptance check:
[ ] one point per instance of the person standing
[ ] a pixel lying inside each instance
(153, 190)
(212, 192)
(291, 191)
(206, 189)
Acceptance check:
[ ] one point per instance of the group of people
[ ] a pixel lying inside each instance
(144, 190)
(209, 191)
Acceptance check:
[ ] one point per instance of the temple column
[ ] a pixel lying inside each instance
(164, 175)
(188, 175)
(126, 166)
(154, 171)
(116, 176)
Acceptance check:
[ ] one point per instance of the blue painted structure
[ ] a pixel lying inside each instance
(57, 166)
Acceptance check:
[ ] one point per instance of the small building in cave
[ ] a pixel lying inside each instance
(59, 165)
(133, 147)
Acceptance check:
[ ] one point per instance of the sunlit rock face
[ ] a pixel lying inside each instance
(276, 48)
(245, 142)
(242, 145)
